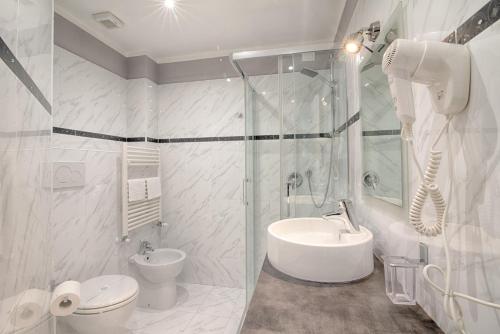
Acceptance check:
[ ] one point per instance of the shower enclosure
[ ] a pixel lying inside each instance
(296, 140)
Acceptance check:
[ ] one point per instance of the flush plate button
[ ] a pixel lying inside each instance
(68, 175)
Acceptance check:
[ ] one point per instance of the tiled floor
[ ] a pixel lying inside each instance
(200, 309)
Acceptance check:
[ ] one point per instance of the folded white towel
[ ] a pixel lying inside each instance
(154, 187)
(136, 190)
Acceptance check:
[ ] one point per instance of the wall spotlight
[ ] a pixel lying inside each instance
(354, 42)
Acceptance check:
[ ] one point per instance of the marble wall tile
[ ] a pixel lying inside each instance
(382, 157)
(152, 109)
(474, 139)
(8, 23)
(266, 117)
(266, 177)
(201, 109)
(86, 220)
(136, 111)
(25, 255)
(34, 47)
(142, 108)
(88, 97)
(202, 202)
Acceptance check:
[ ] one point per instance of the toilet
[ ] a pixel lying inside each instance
(106, 303)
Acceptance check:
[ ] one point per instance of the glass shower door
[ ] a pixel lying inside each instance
(313, 143)
(248, 190)
(294, 104)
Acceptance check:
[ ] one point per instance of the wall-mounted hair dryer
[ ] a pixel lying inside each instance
(443, 67)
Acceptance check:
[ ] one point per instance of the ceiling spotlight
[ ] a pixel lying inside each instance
(228, 79)
(290, 68)
(170, 4)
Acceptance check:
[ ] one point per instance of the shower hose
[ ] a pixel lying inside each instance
(330, 167)
(429, 188)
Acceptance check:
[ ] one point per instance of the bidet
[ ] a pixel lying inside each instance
(158, 270)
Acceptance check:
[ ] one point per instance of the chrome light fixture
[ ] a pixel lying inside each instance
(354, 42)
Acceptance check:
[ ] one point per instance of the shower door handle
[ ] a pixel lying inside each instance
(244, 189)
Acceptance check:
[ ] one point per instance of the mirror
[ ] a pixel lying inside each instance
(383, 168)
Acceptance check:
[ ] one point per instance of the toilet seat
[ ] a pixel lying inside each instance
(106, 293)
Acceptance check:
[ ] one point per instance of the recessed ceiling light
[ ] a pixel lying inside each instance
(290, 68)
(170, 4)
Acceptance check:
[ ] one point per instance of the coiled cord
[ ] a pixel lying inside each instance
(426, 188)
(429, 187)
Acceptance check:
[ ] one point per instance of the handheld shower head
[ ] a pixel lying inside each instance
(308, 72)
(312, 74)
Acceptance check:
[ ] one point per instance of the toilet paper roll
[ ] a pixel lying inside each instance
(65, 298)
(31, 305)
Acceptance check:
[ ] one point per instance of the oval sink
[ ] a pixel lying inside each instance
(319, 250)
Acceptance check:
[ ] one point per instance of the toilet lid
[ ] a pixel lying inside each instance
(107, 290)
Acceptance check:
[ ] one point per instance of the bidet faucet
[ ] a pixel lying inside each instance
(145, 247)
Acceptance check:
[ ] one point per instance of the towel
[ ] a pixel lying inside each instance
(154, 187)
(136, 190)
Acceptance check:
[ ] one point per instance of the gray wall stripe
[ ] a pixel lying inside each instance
(142, 67)
(15, 66)
(195, 70)
(345, 19)
(74, 39)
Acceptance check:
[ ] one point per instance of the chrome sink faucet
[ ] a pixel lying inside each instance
(345, 205)
(145, 247)
(349, 211)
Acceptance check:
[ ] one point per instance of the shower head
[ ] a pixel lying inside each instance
(308, 72)
(312, 74)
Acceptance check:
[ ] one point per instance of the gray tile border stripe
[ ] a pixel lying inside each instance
(15, 66)
(79, 133)
(371, 133)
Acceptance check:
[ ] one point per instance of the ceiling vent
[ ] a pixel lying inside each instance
(108, 19)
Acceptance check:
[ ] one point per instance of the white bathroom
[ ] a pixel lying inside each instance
(254, 167)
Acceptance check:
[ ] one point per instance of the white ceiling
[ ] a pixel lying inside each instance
(207, 28)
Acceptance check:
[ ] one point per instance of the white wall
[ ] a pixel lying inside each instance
(25, 125)
(473, 227)
(86, 220)
(202, 181)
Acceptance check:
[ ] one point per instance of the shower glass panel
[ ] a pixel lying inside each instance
(249, 188)
(296, 141)
(313, 175)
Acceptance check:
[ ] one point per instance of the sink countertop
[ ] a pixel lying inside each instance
(282, 304)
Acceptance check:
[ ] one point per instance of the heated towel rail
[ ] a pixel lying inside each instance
(138, 213)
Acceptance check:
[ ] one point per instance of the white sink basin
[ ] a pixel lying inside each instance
(314, 249)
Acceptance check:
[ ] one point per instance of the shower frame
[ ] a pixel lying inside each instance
(248, 194)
